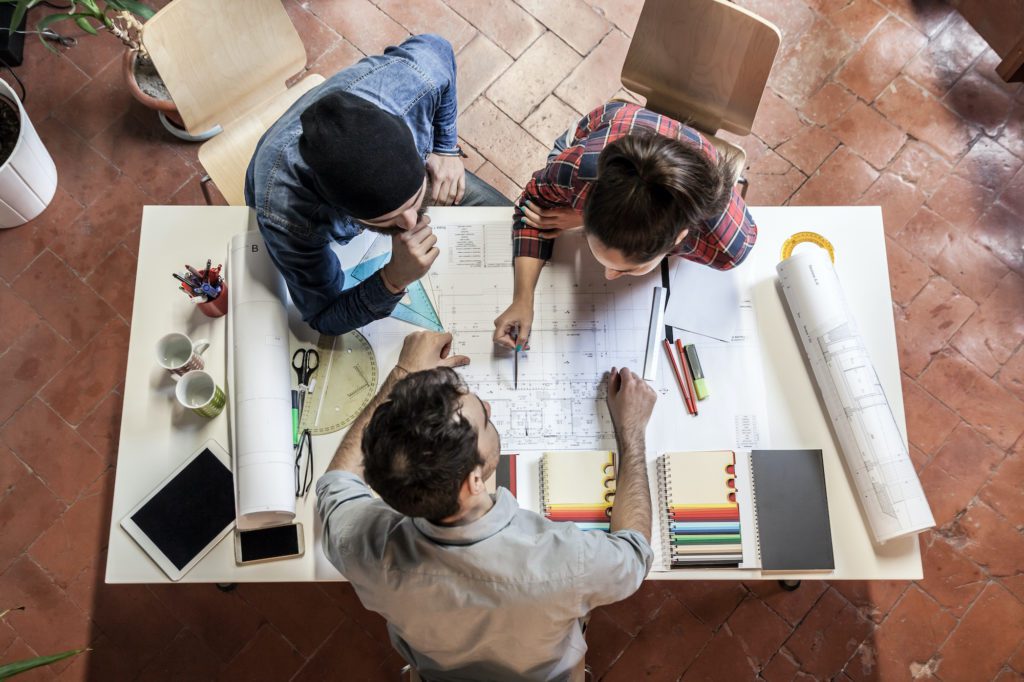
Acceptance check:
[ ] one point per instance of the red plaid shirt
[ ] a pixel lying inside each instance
(721, 242)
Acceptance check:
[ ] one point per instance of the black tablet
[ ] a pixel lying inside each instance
(188, 514)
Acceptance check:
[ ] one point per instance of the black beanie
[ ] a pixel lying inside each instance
(364, 159)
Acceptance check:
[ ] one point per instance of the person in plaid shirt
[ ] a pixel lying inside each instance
(642, 186)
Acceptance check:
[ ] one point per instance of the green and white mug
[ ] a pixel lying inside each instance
(197, 391)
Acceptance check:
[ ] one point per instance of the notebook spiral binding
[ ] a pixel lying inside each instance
(749, 463)
(543, 488)
(664, 484)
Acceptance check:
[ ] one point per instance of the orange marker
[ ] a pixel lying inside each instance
(679, 377)
(688, 373)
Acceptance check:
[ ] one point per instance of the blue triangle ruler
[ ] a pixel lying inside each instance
(414, 308)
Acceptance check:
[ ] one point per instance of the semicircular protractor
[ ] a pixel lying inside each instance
(807, 238)
(346, 381)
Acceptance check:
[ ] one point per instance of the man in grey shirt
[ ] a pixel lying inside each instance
(472, 586)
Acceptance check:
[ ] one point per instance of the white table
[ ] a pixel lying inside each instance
(157, 434)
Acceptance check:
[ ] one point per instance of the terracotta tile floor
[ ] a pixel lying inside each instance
(890, 102)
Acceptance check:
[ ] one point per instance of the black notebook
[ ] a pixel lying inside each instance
(792, 510)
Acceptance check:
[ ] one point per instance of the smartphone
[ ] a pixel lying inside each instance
(269, 544)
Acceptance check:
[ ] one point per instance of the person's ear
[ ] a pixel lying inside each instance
(682, 236)
(475, 481)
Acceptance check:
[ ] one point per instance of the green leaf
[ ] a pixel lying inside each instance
(138, 8)
(53, 19)
(19, 13)
(18, 667)
(91, 6)
(84, 24)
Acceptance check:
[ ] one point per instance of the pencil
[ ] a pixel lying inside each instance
(686, 374)
(679, 377)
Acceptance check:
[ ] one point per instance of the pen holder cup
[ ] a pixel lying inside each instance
(218, 307)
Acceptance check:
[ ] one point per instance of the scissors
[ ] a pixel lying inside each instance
(305, 362)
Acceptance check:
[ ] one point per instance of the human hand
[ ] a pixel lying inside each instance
(427, 350)
(551, 220)
(448, 179)
(630, 402)
(412, 254)
(520, 314)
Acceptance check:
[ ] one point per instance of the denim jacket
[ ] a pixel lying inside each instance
(416, 81)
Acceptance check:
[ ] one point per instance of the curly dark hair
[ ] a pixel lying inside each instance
(418, 448)
(649, 189)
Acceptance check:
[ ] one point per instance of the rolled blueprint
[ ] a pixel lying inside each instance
(887, 486)
(261, 390)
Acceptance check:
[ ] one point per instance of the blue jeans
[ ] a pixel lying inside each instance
(479, 193)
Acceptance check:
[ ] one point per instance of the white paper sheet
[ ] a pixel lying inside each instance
(583, 325)
(704, 301)
(261, 384)
(887, 486)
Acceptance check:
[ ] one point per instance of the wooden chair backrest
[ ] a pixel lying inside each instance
(702, 61)
(222, 58)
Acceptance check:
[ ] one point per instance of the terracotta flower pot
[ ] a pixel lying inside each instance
(166, 106)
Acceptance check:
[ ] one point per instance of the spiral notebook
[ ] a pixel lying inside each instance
(578, 486)
(764, 509)
(701, 518)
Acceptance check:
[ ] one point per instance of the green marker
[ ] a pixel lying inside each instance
(295, 417)
(699, 384)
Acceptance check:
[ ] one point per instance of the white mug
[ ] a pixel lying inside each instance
(198, 391)
(179, 354)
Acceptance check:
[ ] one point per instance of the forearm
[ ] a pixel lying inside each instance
(632, 509)
(349, 456)
(353, 308)
(527, 272)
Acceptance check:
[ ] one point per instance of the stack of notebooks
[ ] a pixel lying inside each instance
(702, 518)
(764, 509)
(578, 486)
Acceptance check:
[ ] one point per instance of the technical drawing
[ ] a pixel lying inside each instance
(876, 455)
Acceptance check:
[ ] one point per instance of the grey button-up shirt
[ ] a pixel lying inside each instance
(497, 599)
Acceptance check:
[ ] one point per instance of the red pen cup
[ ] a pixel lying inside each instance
(217, 307)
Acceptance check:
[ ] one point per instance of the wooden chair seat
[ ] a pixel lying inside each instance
(227, 63)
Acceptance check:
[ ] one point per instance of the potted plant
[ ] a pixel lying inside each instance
(122, 19)
(28, 176)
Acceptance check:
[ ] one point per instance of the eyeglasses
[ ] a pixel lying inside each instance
(304, 468)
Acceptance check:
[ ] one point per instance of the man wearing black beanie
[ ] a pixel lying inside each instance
(368, 149)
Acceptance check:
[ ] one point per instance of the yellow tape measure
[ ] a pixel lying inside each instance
(807, 238)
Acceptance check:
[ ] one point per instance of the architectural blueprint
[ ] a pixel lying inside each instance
(583, 325)
(887, 486)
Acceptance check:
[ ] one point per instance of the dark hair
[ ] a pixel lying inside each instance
(418, 448)
(650, 188)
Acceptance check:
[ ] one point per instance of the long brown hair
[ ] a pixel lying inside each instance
(649, 189)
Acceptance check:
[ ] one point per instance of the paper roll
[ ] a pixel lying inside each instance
(876, 455)
(261, 391)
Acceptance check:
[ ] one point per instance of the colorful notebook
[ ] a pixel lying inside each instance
(578, 486)
(701, 518)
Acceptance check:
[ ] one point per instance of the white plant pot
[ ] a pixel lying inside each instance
(28, 179)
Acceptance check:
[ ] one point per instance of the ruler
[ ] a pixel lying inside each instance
(806, 238)
(346, 382)
(415, 307)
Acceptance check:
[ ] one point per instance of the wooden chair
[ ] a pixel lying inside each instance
(226, 63)
(704, 62)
